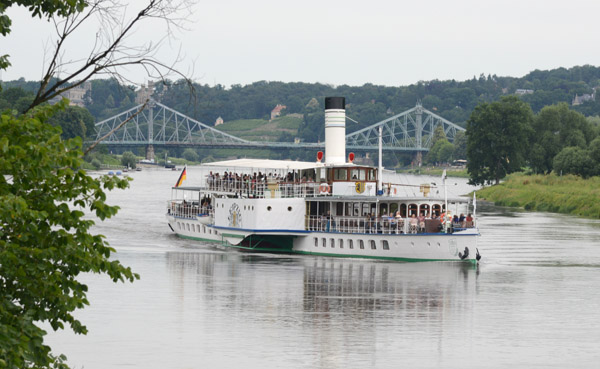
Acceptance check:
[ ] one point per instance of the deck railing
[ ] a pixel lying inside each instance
(383, 225)
(188, 210)
(269, 189)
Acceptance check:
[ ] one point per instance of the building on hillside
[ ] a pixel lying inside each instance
(522, 91)
(219, 121)
(578, 100)
(76, 95)
(144, 93)
(277, 111)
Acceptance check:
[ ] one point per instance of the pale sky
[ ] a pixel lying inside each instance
(349, 42)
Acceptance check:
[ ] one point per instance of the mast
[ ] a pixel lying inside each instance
(380, 168)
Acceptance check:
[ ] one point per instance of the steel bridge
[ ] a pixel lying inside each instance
(158, 125)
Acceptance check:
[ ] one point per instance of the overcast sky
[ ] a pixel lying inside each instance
(350, 42)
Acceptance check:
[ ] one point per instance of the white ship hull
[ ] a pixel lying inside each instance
(401, 247)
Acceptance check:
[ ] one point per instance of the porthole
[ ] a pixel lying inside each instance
(252, 207)
(244, 207)
(385, 245)
(324, 242)
(361, 244)
(373, 245)
(350, 245)
(289, 208)
(269, 208)
(204, 229)
(178, 225)
(188, 227)
(438, 244)
(412, 244)
(332, 242)
(316, 242)
(341, 242)
(428, 244)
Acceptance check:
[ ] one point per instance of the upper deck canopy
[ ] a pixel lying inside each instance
(271, 164)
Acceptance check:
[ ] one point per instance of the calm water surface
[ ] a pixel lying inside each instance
(533, 302)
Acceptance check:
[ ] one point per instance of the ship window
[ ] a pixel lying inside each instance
(178, 225)
(204, 229)
(385, 245)
(371, 174)
(188, 227)
(373, 245)
(324, 242)
(350, 245)
(269, 208)
(357, 174)
(210, 231)
(341, 243)
(332, 242)
(289, 208)
(316, 242)
(340, 174)
(361, 244)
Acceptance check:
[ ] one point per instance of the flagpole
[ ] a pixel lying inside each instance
(474, 206)
(445, 202)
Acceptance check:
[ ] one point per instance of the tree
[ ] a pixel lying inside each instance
(497, 139)
(128, 159)
(74, 121)
(460, 145)
(190, 155)
(44, 243)
(574, 160)
(557, 127)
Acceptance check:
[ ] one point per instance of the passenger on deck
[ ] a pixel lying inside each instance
(413, 223)
(469, 221)
(421, 219)
(461, 220)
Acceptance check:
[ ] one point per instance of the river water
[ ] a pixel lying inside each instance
(534, 301)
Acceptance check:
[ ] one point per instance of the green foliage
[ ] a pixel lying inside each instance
(566, 194)
(128, 159)
(574, 160)
(497, 139)
(96, 164)
(45, 240)
(460, 145)
(190, 155)
(440, 152)
(74, 122)
(557, 127)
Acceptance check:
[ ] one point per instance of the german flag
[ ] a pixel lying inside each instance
(181, 177)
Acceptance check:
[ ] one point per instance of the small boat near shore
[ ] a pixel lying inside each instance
(330, 207)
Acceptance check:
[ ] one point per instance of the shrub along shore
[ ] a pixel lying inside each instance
(566, 194)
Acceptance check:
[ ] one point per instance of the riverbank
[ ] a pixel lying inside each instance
(436, 172)
(559, 194)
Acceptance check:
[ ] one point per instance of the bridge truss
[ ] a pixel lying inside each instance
(157, 124)
(411, 130)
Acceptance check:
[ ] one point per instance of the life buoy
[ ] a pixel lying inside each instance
(395, 190)
(324, 188)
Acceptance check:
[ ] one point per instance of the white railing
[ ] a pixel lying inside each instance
(269, 189)
(189, 210)
(383, 225)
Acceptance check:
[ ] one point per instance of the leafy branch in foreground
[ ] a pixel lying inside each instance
(45, 240)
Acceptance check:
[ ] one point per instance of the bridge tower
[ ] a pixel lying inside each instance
(419, 132)
(150, 147)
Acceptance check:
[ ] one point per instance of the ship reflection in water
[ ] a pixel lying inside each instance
(325, 311)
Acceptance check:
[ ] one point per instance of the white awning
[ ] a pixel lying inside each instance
(265, 164)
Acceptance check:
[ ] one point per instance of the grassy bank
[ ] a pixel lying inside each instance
(567, 194)
(436, 172)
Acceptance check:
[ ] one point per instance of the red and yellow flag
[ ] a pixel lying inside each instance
(181, 177)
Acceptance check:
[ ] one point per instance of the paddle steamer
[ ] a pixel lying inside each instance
(330, 207)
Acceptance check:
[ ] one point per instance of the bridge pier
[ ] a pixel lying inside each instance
(150, 152)
(419, 158)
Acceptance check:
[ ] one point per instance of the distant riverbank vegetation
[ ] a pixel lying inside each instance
(567, 194)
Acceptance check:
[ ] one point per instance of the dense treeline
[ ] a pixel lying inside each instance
(367, 104)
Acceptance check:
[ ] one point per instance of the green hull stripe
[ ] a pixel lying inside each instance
(411, 260)
(233, 235)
